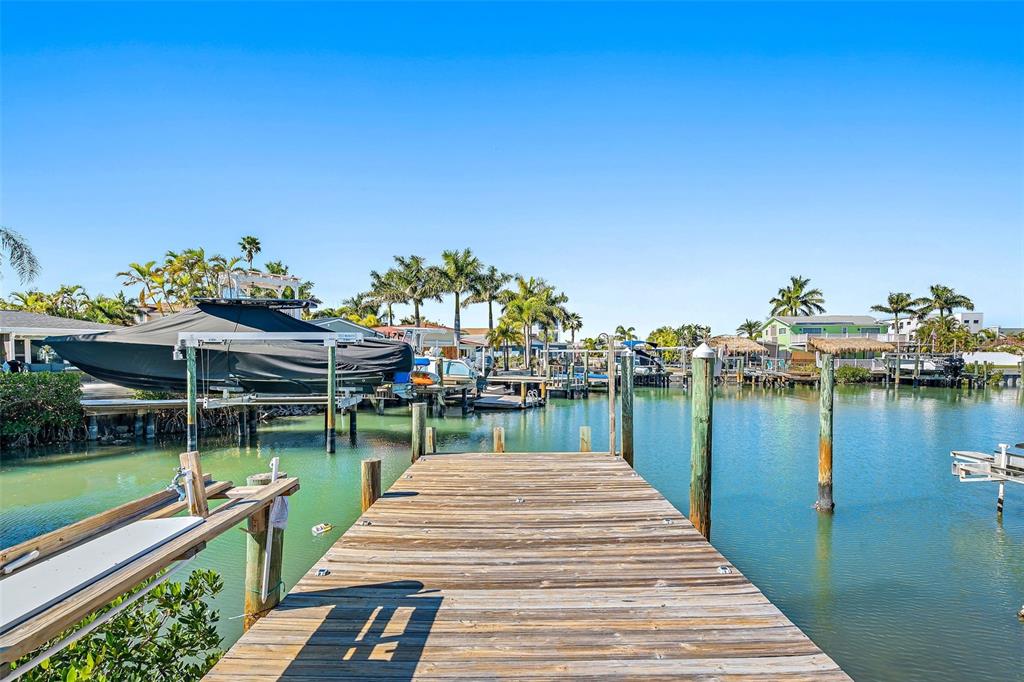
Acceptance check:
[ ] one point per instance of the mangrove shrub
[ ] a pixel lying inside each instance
(169, 635)
(852, 375)
(39, 407)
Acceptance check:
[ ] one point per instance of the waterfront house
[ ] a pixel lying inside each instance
(791, 333)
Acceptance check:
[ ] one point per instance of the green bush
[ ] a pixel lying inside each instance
(168, 635)
(39, 407)
(852, 375)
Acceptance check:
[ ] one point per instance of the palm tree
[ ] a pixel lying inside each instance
(625, 333)
(361, 305)
(943, 300)
(797, 299)
(572, 324)
(145, 275)
(387, 290)
(19, 255)
(250, 246)
(418, 281)
(487, 288)
(898, 303)
(751, 329)
(533, 302)
(456, 275)
(504, 335)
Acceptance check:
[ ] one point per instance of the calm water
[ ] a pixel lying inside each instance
(913, 578)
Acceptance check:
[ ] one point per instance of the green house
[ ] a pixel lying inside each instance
(792, 332)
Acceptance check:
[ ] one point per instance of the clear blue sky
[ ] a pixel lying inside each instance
(662, 163)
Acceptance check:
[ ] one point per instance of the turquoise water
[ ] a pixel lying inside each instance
(912, 578)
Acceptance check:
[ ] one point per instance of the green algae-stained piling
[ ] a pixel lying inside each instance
(192, 427)
(524, 566)
(702, 395)
(332, 402)
(826, 397)
(627, 407)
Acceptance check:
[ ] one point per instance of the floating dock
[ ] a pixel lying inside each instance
(524, 566)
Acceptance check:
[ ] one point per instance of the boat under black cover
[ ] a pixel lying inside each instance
(142, 357)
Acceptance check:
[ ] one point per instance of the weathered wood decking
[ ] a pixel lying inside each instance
(524, 566)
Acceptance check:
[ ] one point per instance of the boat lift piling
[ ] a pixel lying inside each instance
(1002, 467)
(702, 396)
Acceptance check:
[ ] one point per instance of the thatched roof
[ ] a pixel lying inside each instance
(737, 344)
(852, 344)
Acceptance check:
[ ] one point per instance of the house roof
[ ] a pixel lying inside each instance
(474, 331)
(330, 322)
(853, 320)
(14, 320)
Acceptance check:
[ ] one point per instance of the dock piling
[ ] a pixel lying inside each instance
(431, 440)
(150, 426)
(499, 439)
(332, 398)
(370, 478)
(627, 407)
(419, 429)
(258, 533)
(192, 436)
(196, 492)
(702, 395)
(825, 502)
(584, 439)
(611, 397)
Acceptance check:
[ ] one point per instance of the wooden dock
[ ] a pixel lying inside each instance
(524, 566)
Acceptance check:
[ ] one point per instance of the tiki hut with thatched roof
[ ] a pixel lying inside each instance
(852, 344)
(736, 345)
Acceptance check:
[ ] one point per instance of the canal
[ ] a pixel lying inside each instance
(912, 578)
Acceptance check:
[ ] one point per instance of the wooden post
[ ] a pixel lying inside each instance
(586, 373)
(93, 432)
(465, 402)
(702, 387)
(825, 502)
(611, 397)
(499, 439)
(254, 420)
(353, 422)
(150, 426)
(899, 363)
(627, 407)
(258, 533)
(241, 427)
(370, 482)
(197, 504)
(419, 429)
(584, 439)
(192, 437)
(139, 429)
(522, 393)
(332, 397)
(431, 440)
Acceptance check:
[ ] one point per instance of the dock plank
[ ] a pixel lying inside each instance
(524, 566)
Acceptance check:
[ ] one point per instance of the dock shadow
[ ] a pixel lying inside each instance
(371, 631)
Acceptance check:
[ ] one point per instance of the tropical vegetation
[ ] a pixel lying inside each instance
(750, 329)
(18, 255)
(168, 634)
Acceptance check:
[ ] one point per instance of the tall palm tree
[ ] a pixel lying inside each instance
(387, 290)
(943, 300)
(751, 329)
(250, 246)
(797, 299)
(505, 334)
(456, 275)
(362, 305)
(487, 288)
(418, 281)
(898, 303)
(19, 255)
(533, 302)
(572, 324)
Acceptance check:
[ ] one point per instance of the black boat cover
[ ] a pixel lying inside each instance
(142, 357)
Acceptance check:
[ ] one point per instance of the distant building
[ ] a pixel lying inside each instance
(974, 322)
(792, 332)
(21, 333)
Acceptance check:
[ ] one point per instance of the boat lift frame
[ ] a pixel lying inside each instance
(190, 341)
(978, 467)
